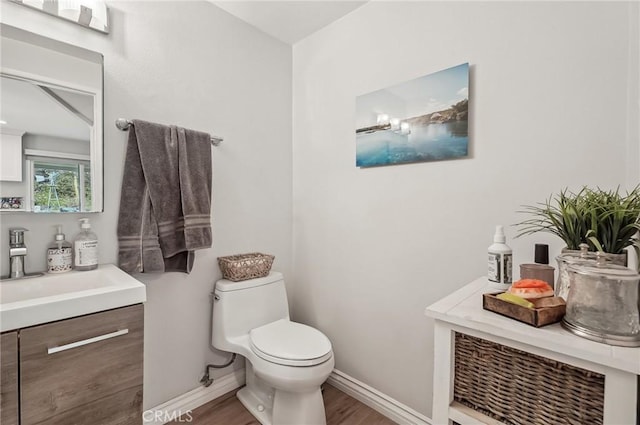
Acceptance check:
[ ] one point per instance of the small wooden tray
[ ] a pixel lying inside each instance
(539, 316)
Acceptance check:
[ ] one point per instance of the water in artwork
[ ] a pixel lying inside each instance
(429, 142)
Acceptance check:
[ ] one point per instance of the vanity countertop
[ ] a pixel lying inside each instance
(464, 308)
(32, 301)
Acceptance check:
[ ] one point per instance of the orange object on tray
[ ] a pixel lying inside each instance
(531, 289)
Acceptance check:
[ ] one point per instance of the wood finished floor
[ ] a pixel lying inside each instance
(340, 408)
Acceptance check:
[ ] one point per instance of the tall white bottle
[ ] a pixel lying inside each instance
(500, 266)
(85, 247)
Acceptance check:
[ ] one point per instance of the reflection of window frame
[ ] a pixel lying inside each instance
(34, 156)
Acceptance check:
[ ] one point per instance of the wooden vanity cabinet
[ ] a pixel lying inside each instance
(84, 370)
(9, 380)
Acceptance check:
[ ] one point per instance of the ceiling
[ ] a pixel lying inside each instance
(289, 21)
(26, 107)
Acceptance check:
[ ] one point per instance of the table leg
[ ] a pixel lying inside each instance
(443, 373)
(620, 398)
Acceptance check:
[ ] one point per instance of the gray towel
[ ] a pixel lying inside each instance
(165, 206)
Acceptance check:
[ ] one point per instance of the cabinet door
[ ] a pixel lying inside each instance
(85, 370)
(9, 381)
(10, 157)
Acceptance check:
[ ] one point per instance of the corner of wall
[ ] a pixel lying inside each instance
(633, 100)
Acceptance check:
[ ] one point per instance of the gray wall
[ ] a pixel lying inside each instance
(554, 103)
(191, 64)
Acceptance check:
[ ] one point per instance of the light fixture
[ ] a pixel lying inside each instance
(38, 4)
(91, 14)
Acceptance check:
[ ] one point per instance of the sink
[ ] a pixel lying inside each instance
(36, 300)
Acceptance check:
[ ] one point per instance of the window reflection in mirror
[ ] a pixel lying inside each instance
(61, 187)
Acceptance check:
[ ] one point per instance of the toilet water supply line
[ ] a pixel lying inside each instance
(206, 380)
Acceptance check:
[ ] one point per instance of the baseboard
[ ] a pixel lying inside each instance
(185, 403)
(382, 403)
(376, 400)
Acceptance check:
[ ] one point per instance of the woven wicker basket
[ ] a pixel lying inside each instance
(245, 266)
(520, 388)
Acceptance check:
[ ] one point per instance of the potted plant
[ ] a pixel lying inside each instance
(606, 220)
(563, 215)
(614, 220)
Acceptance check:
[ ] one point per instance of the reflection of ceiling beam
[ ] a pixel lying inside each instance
(66, 105)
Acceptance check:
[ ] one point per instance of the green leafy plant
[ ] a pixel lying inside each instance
(606, 220)
(563, 215)
(614, 220)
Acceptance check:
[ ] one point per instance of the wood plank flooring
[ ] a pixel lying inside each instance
(341, 409)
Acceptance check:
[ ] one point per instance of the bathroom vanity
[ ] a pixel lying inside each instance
(460, 318)
(9, 384)
(72, 348)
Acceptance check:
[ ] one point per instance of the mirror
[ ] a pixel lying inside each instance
(51, 125)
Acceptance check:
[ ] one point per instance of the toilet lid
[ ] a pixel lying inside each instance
(290, 343)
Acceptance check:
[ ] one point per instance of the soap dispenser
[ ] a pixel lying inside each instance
(85, 247)
(59, 254)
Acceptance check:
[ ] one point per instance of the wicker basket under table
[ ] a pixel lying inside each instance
(520, 388)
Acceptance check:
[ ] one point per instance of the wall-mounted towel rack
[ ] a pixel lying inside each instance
(124, 124)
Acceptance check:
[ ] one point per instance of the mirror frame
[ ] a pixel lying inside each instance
(96, 151)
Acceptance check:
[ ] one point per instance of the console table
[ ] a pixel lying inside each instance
(462, 312)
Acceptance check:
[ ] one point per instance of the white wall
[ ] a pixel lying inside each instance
(191, 64)
(633, 98)
(374, 247)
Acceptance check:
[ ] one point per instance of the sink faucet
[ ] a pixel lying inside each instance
(17, 252)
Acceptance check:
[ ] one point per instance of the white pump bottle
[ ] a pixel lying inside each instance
(500, 265)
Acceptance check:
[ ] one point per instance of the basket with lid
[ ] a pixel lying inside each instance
(603, 303)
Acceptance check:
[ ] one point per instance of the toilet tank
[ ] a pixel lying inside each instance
(239, 307)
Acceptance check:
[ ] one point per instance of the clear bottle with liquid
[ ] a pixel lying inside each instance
(85, 247)
(59, 254)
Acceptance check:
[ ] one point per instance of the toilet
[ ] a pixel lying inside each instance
(286, 362)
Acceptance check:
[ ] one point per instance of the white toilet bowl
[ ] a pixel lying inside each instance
(286, 362)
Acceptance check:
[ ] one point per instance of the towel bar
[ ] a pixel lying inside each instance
(124, 124)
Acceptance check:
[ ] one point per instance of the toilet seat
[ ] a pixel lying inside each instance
(289, 343)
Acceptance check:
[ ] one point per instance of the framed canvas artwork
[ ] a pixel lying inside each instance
(425, 119)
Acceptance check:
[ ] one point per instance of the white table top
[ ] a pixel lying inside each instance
(464, 308)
